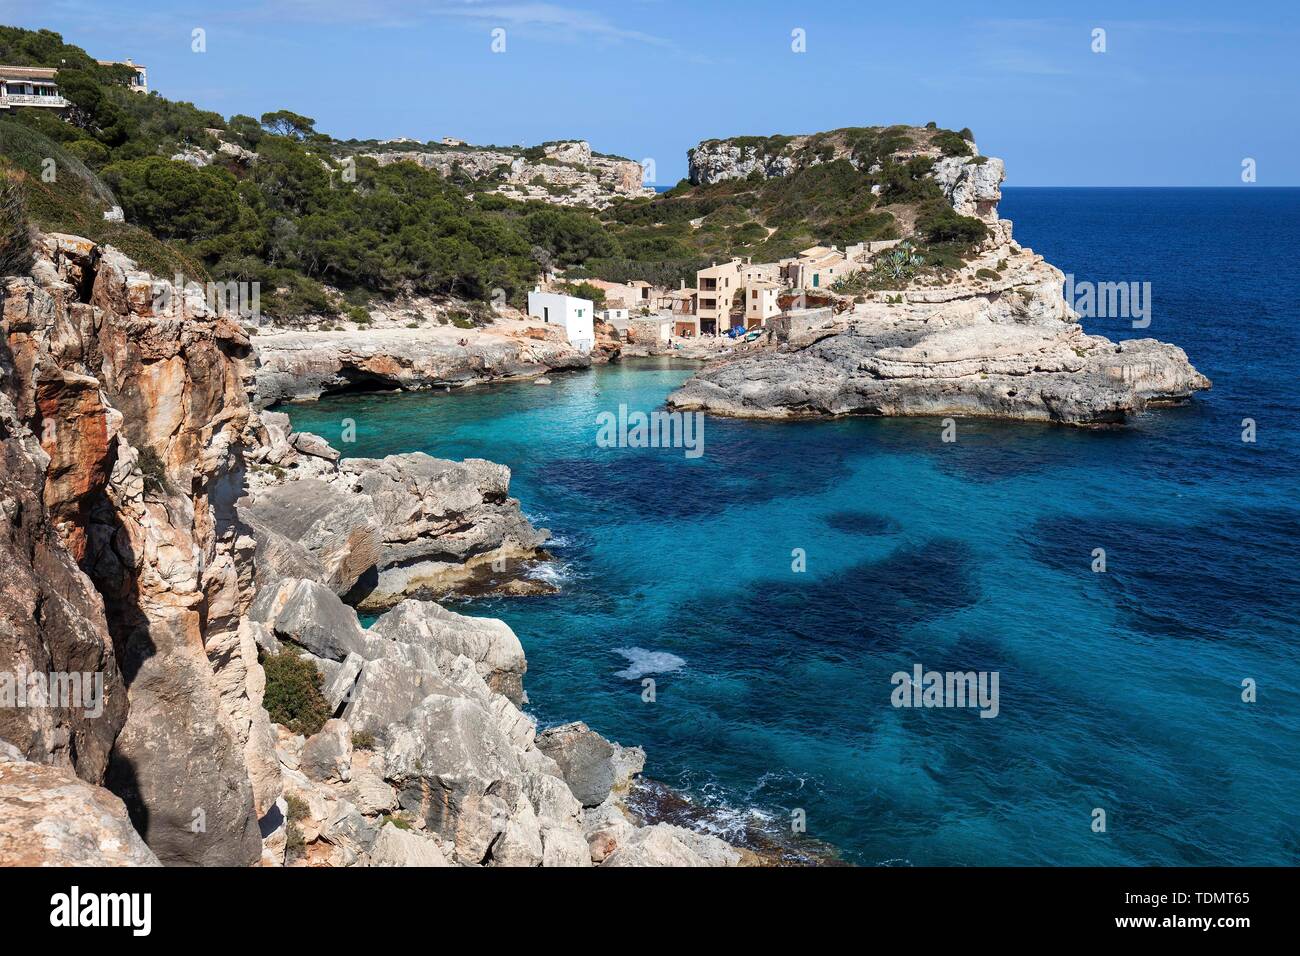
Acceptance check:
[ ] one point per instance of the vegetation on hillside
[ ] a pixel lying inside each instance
(828, 198)
(310, 215)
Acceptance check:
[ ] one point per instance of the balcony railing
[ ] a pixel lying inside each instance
(29, 99)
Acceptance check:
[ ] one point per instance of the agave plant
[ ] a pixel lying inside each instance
(901, 262)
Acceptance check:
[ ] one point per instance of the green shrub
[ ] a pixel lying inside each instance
(585, 290)
(294, 841)
(987, 274)
(950, 143)
(363, 740)
(938, 222)
(293, 692)
(152, 468)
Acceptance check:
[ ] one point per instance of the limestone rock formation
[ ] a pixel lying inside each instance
(378, 530)
(567, 174)
(314, 529)
(48, 817)
(124, 433)
(305, 365)
(51, 621)
(144, 415)
(589, 763)
(440, 521)
(490, 644)
(1007, 348)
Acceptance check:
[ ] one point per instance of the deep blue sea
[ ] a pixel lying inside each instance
(1120, 691)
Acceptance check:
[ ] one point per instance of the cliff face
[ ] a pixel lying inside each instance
(141, 417)
(571, 174)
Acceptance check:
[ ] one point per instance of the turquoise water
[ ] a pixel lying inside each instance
(1118, 690)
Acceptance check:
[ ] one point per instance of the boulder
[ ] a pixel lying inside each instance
(48, 817)
(454, 768)
(489, 643)
(327, 755)
(337, 687)
(667, 845)
(564, 848)
(390, 688)
(398, 847)
(311, 616)
(313, 529)
(520, 843)
(585, 758)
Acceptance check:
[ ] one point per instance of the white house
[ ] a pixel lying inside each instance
(576, 316)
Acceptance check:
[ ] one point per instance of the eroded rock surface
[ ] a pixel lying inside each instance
(144, 416)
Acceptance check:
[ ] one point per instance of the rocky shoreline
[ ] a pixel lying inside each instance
(303, 366)
(166, 541)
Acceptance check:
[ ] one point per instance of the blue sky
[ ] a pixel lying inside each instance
(1182, 94)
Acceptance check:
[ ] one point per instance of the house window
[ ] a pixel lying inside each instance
(817, 279)
(546, 314)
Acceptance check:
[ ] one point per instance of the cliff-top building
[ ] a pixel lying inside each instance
(38, 85)
(139, 82)
(29, 86)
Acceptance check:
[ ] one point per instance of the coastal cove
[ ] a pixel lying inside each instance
(1119, 690)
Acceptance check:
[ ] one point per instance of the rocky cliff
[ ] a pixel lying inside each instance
(717, 160)
(140, 553)
(566, 174)
(139, 418)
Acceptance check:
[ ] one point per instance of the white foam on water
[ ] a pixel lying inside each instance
(647, 662)
(549, 572)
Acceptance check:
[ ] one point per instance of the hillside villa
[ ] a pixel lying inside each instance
(139, 83)
(37, 85)
(29, 86)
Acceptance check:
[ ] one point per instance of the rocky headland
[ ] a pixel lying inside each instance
(995, 338)
(163, 539)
